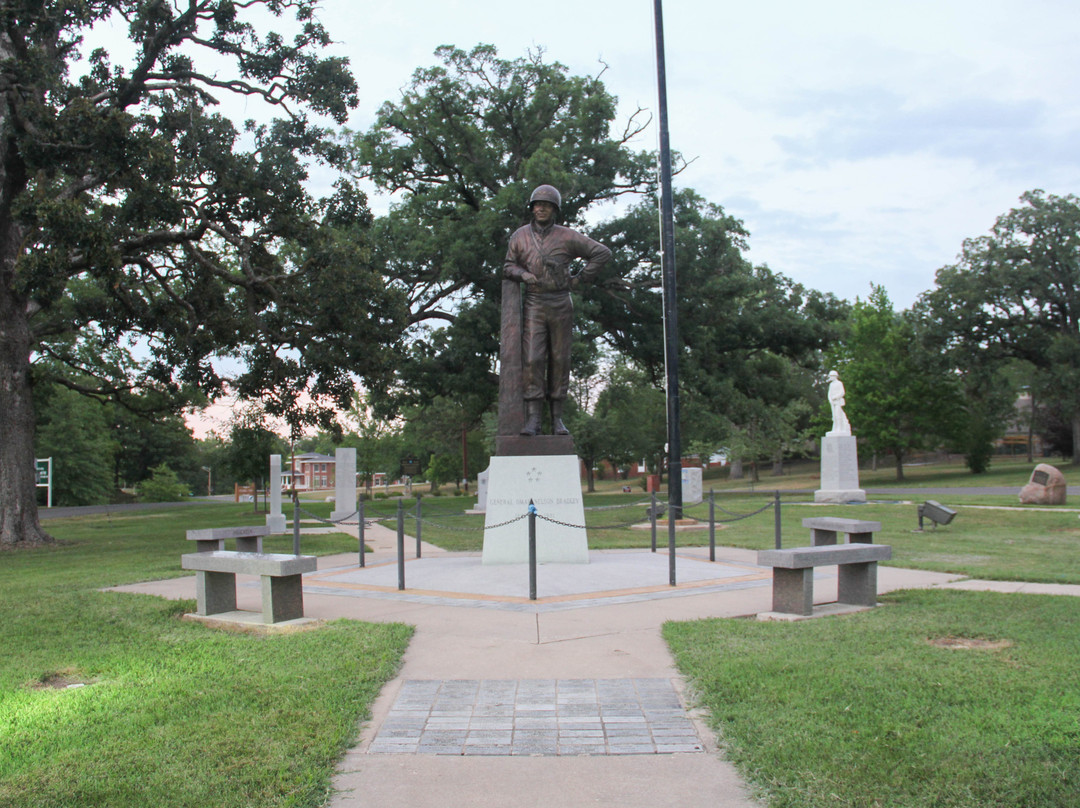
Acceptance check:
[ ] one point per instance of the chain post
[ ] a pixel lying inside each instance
(671, 535)
(401, 543)
(652, 519)
(532, 550)
(418, 528)
(776, 517)
(361, 529)
(295, 523)
(712, 525)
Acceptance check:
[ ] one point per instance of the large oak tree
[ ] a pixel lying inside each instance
(900, 396)
(131, 210)
(1015, 294)
(460, 152)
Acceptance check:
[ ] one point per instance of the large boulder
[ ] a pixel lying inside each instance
(1046, 487)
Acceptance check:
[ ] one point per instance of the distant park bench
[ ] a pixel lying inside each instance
(823, 530)
(216, 569)
(856, 562)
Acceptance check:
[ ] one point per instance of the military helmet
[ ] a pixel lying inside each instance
(546, 193)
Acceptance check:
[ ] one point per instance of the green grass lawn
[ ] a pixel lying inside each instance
(166, 712)
(995, 543)
(936, 698)
(805, 474)
(871, 709)
(992, 537)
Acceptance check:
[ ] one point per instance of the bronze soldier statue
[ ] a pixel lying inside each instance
(539, 256)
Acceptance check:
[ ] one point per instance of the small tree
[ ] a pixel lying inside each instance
(250, 445)
(162, 486)
(442, 469)
(74, 431)
(636, 418)
(899, 397)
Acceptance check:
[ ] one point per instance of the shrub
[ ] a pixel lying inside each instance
(162, 486)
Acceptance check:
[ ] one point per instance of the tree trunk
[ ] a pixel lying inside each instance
(590, 481)
(899, 467)
(1076, 439)
(736, 469)
(1031, 432)
(778, 465)
(18, 478)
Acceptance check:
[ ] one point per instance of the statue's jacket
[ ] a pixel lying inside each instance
(547, 252)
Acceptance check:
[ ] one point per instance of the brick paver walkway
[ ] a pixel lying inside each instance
(537, 717)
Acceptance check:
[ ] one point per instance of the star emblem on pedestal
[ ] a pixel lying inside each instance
(533, 475)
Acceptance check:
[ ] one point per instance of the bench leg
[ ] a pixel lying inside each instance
(861, 538)
(215, 592)
(793, 591)
(819, 537)
(282, 598)
(857, 584)
(249, 544)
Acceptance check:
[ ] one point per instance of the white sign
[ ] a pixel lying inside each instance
(43, 467)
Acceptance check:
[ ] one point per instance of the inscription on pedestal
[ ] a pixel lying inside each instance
(553, 484)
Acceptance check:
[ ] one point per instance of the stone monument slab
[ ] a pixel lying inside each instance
(691, 487)
(275, 520)
(553, 484)
(839, 470)
(482, 490)
(344, 484)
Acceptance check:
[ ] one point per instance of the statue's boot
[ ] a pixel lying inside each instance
(557, 426)
(532, 419)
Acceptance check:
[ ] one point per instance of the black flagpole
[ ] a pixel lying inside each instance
(671, 322)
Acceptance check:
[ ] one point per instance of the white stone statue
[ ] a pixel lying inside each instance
(840, 425)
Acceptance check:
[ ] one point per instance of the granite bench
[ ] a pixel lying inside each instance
(823, 530)
(793, 574)
(216, 570)
(248, 539)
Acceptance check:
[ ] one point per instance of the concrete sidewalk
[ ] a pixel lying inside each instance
(569, 700)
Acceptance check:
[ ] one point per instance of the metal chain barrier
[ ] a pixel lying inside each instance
(473, 529)
(371, 519)
(740, 517)
(509, 521)
(340, 521)
(557, 522)
(655, 509)
(637, 504)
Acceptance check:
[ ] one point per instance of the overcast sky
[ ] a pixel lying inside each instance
(859, 142)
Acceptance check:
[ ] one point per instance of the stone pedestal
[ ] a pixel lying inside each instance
(275, 520)
(839, 471)
(553, 484)
(344, 484)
